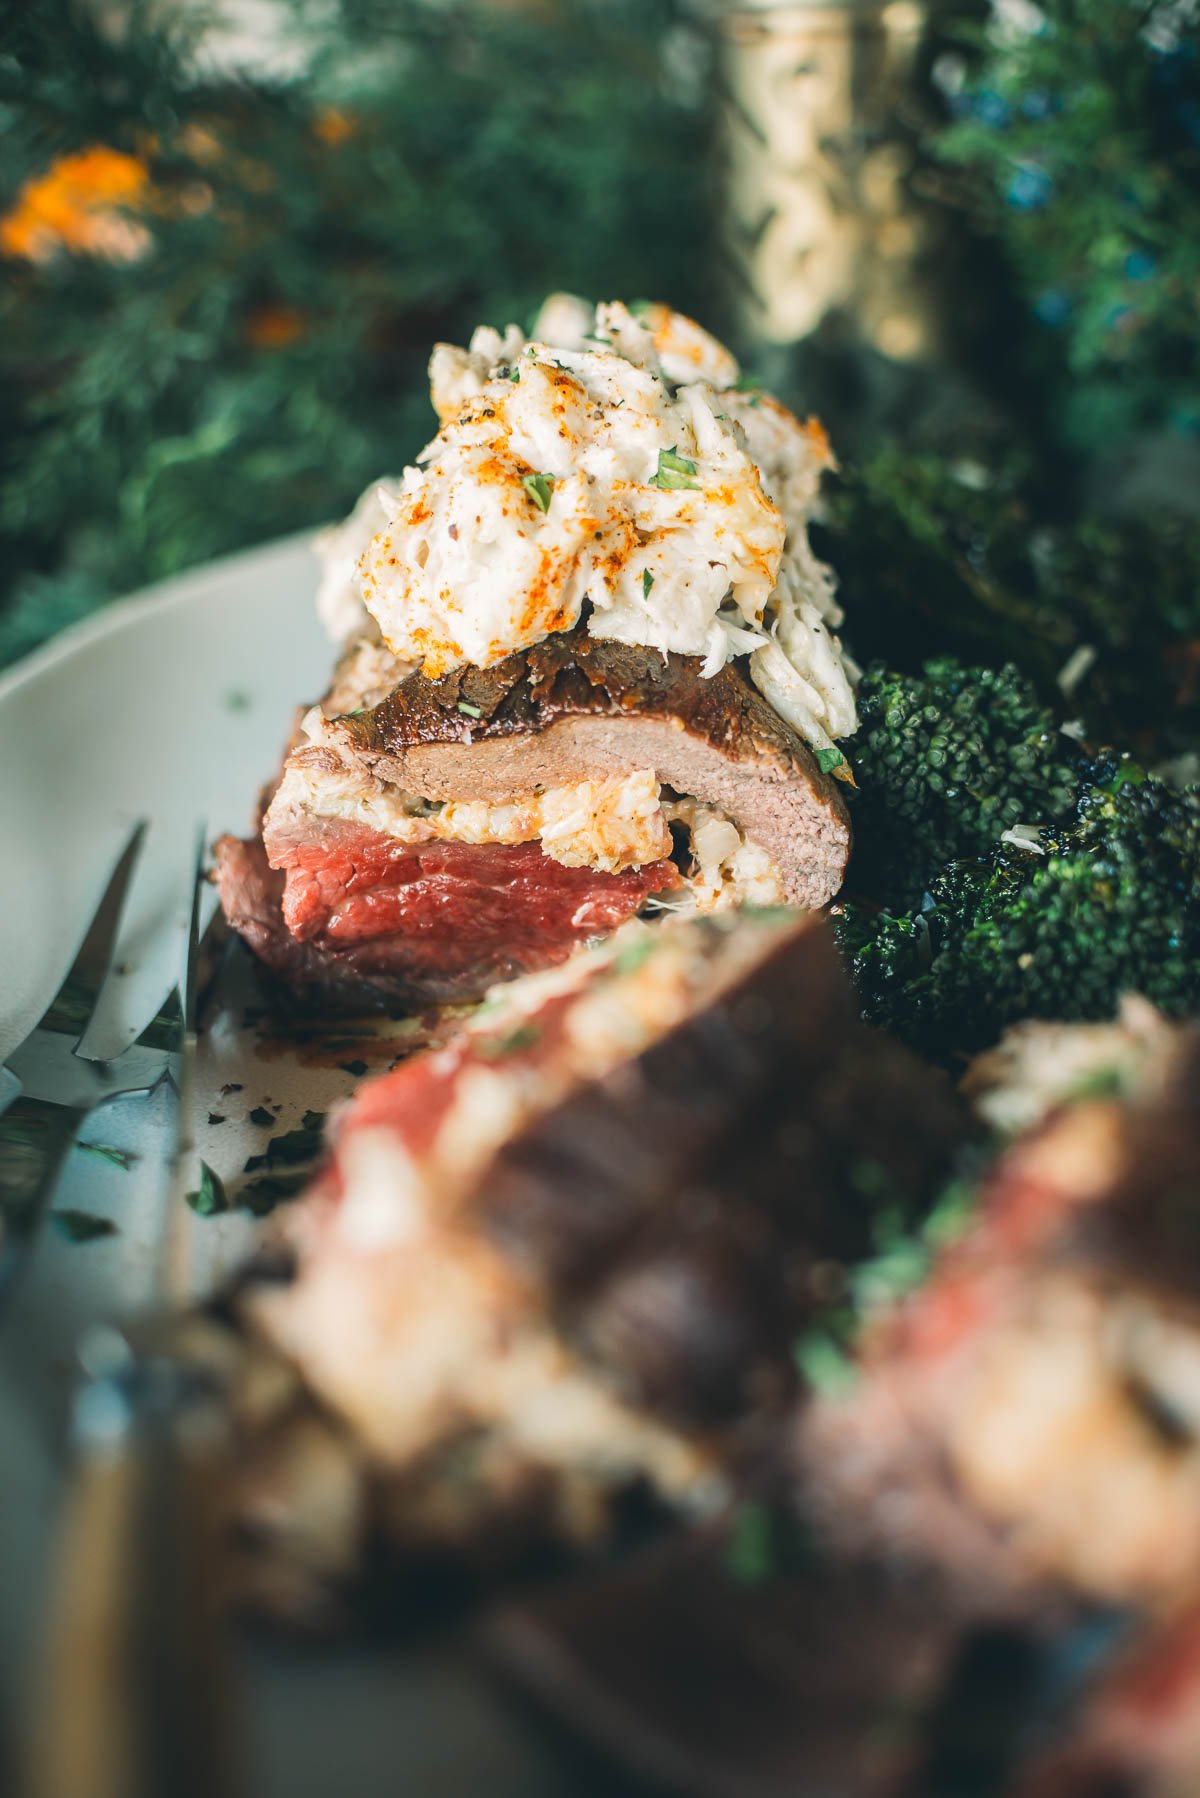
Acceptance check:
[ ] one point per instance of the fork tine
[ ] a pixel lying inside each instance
(191, 965)
(174, 1269)
(35, 1138)
(75, 1000)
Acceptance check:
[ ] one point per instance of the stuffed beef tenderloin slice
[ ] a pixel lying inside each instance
(569, 696)
(568, 1255)
(1034, 1407)
(490, 822)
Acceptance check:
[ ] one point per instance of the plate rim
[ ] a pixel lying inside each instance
(129, 608)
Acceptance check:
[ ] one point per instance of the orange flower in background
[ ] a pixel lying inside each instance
(77, 206)
(332, 126)
(274, 327)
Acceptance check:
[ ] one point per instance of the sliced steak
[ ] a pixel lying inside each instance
(377, 922)
(415, 913)
(573, 707)
(582, 1236)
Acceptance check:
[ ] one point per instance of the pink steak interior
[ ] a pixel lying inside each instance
(413, 1100)
(451, 906)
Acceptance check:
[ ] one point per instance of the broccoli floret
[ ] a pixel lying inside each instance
(1109, 903)
(945, 762)
(945, 556)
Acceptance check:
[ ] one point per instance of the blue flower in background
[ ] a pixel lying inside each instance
(1140, 265)
(1053, 307)
(1029, 187)
(1039, 105)
(991, 108)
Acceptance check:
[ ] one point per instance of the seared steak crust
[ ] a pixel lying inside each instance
(571, 675)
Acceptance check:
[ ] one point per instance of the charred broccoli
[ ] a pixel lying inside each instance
(950, 556)
(1103, 905)
(946, 761)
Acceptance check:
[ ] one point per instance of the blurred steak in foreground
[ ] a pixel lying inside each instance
(571, 1253)
(984, 1574)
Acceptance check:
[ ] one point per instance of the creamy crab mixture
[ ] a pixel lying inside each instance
(610, 462)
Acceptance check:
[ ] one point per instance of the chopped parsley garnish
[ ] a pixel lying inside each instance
(674, 472)
(767, 1540)
(122, 1158)
(647, 582)
(209, 1198)
(261, 1196)
(539, 487)
(261, 1118)
(768, 914)
(357, 1068)
(283, 1170)
(952, 1211)
(472, 711)
(902, 1257)
(823, 1363)
(292, 1146)
(83, 1226)
(748, 1552)
(523, 1037)
(631, 957)
(829, 759)
(1101, 1083)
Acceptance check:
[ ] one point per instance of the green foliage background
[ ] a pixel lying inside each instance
(1077, 133)
(487, 156)
(489, 153)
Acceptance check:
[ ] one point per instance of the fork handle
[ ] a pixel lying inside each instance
(133, 1699)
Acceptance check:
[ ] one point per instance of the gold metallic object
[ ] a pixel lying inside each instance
(819, 220)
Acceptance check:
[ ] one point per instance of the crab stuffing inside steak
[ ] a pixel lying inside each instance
(589, 669)
(568, 1253)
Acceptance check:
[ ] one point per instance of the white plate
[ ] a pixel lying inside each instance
(174, 705)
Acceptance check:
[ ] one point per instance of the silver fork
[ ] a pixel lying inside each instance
(49, 1087)
(135, 1697)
